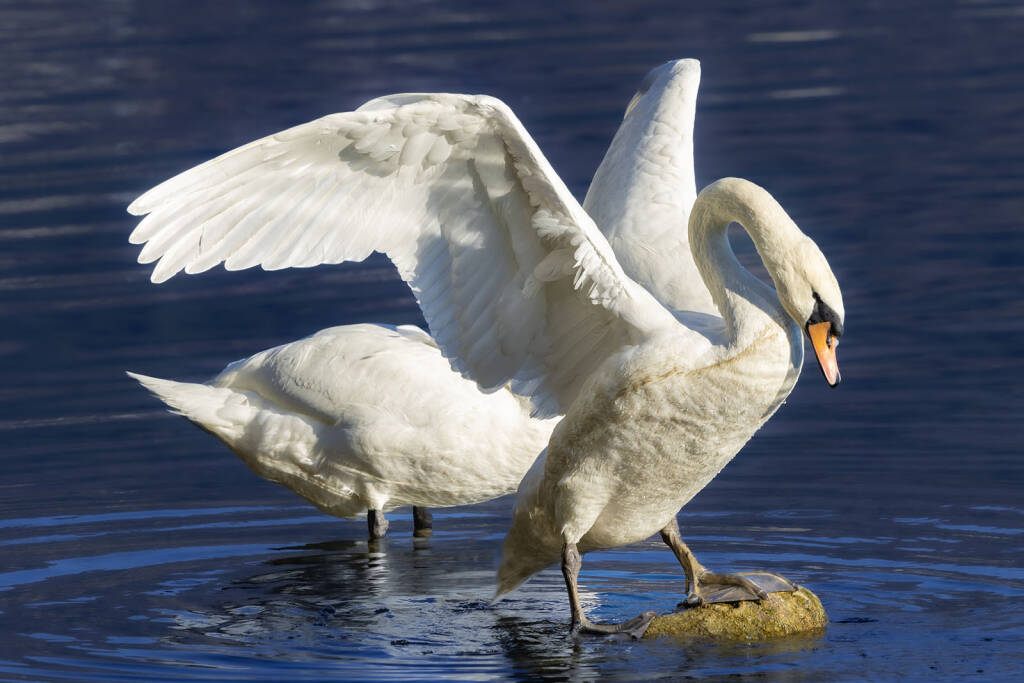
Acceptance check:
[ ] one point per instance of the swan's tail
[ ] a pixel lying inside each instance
(274, 443)
(531, 543)
(522, 557)
(218, 410)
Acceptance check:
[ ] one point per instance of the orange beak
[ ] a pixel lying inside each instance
(824, 344)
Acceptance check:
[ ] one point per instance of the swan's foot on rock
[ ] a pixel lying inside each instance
(712, 588)
(634, 628)
(422, 521)
(571, 563)
(376, 524)
(703, 586)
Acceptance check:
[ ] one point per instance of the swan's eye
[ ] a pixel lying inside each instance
(823, 313)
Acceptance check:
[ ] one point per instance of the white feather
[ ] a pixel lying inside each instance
(643, 190)
(339, 418)
(495, 190)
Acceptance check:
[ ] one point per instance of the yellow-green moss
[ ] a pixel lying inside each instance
(782, 614)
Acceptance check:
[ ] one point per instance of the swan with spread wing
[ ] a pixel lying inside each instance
(659, 387)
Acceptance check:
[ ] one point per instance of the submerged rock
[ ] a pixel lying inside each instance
(782, 614)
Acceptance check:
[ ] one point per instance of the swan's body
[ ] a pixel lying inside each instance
(365, 417)
(661, 423)
(660, 383)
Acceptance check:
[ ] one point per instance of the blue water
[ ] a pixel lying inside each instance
(133, 546)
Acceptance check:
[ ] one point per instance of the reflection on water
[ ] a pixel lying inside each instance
(374, 608)
(132, 546)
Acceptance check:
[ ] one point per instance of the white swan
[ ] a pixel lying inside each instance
(704, 396)
(518, 285)
(365, 418)
(666, 416)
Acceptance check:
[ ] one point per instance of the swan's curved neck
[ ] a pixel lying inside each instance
(746, 303)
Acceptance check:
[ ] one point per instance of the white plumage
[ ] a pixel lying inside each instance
(514, 279)
(643, 190)
(364, 417)
(661, 378)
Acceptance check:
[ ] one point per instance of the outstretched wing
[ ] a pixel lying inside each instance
(514, 280)
(643, 190)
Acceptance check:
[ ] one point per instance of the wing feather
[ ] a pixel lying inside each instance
(514, 280)
(292, 251)
(643, 190)
(228, 165)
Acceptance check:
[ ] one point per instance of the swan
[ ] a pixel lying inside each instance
(329, 415)
(521, 289)
(369, 418)
(667, 415)
(365, 418)
(580, 495)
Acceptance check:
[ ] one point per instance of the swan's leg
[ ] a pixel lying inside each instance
(698, 579)
(670, 535)
(422, 521)
(571, 563)
(376, 523)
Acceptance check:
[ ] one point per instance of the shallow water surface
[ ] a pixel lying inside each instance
(133, 546)
(272, 592)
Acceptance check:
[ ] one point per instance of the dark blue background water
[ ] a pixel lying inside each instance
(134, 546)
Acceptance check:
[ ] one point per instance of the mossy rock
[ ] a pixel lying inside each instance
(782, 614)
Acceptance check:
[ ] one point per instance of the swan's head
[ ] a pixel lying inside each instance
(804, 283)
(810, 294)
(682, 75)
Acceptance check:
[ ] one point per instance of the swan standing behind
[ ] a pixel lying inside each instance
(365, 417)
(309, 402)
